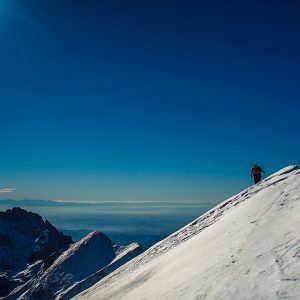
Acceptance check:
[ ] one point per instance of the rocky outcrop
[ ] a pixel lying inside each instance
(26, 239)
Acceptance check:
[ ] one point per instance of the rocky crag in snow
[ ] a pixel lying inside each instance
(248, 247)
(74, 270)
(27, 245)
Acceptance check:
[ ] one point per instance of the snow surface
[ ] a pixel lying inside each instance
(248, 247)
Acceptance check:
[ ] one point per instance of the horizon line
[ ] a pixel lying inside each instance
(105, 201)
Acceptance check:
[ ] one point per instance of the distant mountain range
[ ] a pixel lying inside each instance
(45, 203)
(39, 262)
(53, 203)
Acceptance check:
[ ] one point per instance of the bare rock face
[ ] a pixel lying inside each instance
(26, 240)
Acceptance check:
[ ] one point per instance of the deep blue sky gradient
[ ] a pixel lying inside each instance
(146, 100)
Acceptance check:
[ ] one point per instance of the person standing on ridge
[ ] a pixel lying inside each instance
(256, 173)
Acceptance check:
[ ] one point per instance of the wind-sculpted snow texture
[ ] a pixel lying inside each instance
(248, 247)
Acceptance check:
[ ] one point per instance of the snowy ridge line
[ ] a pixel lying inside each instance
(213, 215)
(20, 291)
(124, 254)
(198, 225)
(31, 271)
(49, 283)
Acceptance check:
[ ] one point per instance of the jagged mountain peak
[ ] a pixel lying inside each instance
(95, 235)
(26, 240)
(97, 250)
(77, 268)
(17, 214)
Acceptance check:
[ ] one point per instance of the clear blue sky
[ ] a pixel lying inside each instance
(146, 100)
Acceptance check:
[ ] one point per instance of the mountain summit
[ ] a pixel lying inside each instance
(248, 247)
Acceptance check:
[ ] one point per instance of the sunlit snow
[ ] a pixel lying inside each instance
(248, 247)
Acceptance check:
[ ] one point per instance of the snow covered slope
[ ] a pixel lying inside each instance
(248, 247)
